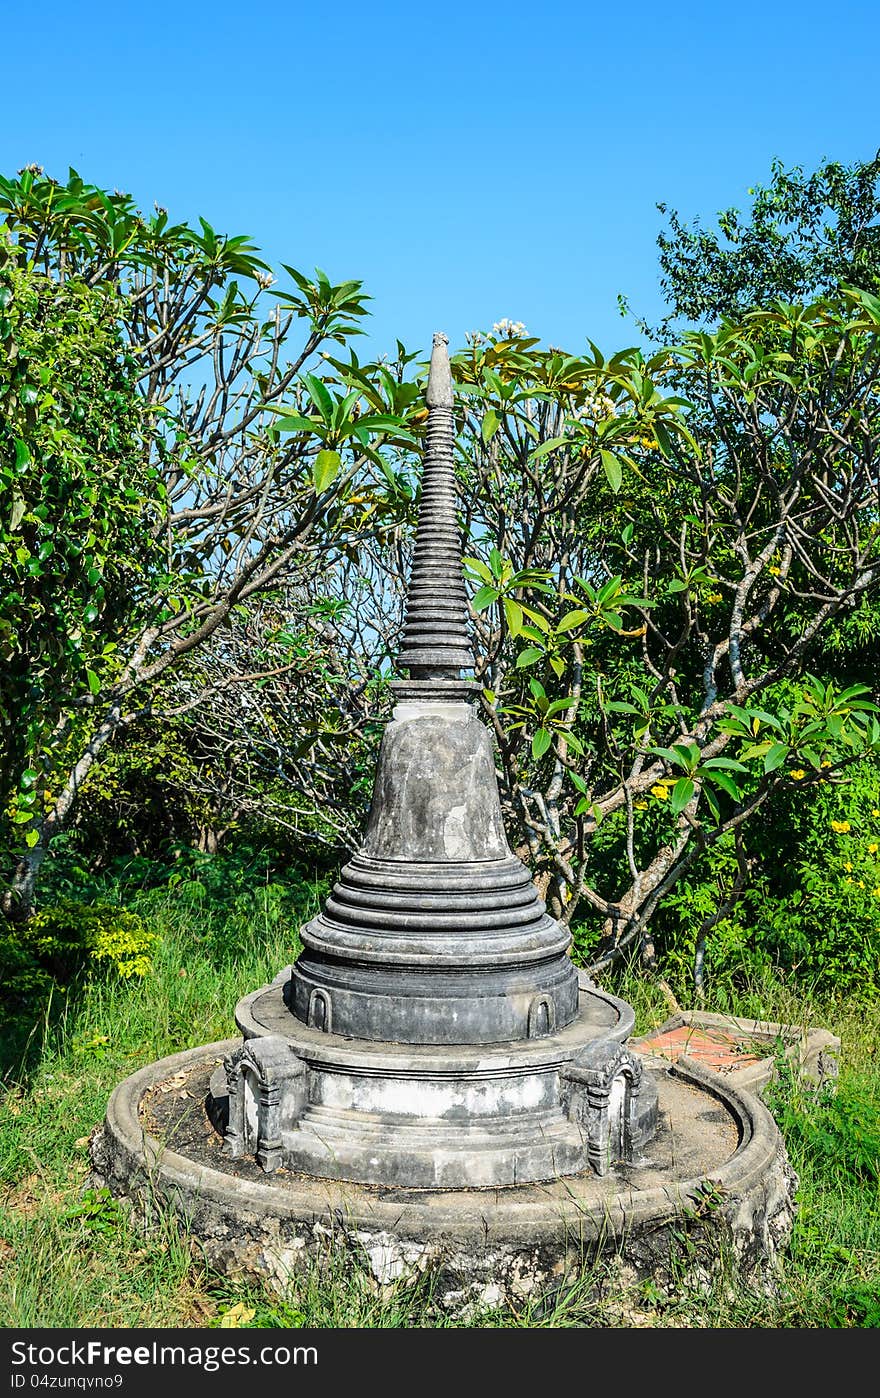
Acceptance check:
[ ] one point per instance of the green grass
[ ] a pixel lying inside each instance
(73, 1261)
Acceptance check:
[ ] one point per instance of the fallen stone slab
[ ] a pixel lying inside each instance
(744, 1051)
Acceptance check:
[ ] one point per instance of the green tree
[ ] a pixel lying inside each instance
(805, 235)
(76, 494)
(259, 464)
(675, 536)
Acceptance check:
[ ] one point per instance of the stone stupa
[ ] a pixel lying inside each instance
(434, 1082)
(434, 1030)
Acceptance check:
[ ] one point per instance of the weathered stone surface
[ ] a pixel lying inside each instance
(461, 1115)
(435, 793)
(436, 644)
(434, 931)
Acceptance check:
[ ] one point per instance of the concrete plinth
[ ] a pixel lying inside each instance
(434, 1115)
(715, 1175)
(746, 1051)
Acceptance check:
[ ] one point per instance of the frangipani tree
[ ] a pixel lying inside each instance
(674, 533)
(240, 459)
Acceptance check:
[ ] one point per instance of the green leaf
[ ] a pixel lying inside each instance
(663, 440)
(320, 396)
(545, 448)
(528, 657)
(871, 303)
(31, 837)
(93, 682)
(668, 754)
(476, 566)
(540, 623)
(385, 422)
(727, 783)
(540, 743)
(573, 619)
(681, 795)
(514, 614)
(558, 706)
(775, 756)
(612, 469)
(484, 597)
(325, 470)
(489, 425)
(688, 755)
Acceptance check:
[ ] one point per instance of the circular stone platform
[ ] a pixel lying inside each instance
(715, 1176)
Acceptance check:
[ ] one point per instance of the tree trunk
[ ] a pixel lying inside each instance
(17, 903)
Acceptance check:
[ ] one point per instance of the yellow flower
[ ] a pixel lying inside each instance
(876, 892)
(798, 774)
(849, 880)
(826, 763)
(848, 867)
(872, 849)
(875, 813)
(774, 571)
(640, 805)
(841, 826)
(861, 883)
(660, 792)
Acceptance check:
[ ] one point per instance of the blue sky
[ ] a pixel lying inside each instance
(467, 162)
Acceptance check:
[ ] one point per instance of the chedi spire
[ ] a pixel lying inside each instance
(434, 932)
(436, 647)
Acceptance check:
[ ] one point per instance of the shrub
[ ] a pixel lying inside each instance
(810, 907)
(68, 939)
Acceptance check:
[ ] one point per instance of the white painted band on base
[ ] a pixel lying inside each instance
(431, 708)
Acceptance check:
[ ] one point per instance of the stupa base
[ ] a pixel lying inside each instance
(432, 1116)
(715, 1188)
